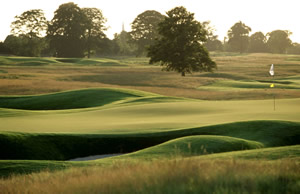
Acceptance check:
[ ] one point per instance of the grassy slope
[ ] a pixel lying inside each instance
(67, 146)
(70, 99)
(195, 145)
(42, 61)
(139, 115)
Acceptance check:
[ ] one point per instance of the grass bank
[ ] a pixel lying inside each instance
(66, 146)
(175, 176)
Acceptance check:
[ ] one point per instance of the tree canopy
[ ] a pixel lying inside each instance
(94, 28)
(32, 23)
(26, 32)
(145, 29)
(179, 47)
(238, 36)
(279, 41)
(257, 42)
(66, 31)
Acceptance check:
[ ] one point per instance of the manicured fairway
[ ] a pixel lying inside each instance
(142, 114)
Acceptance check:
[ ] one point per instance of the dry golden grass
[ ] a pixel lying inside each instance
(175, 176)
(58, 77)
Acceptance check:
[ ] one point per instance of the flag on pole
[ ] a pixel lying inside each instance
(272, 86)
(272, 70)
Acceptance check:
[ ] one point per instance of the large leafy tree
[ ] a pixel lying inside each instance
(145, 29)
(257, 43)
(238, 37)
(179, 47)
(66, 31)
(279, 41)
(27, 30)
(94, 28)
(32, 23)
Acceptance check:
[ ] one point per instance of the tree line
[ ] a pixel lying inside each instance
(80, 32)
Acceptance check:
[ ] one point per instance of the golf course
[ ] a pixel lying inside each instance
(227, 131)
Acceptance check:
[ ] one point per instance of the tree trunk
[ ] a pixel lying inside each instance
(183, 74)
(89, 44)
(89, 52)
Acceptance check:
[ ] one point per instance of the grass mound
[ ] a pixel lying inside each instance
(70, 99)
(196, 145)
(270, 133)
(283, 152)
(41, 61)
(26, 61)
(98, 62)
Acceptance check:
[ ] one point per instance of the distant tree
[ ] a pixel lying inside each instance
(238, 37)
(294, 49)
(123, 42)
(107, 47)
(145, 30)
(279, 41)
(257, 43)
(66, 31)
(4, 49)
(94, 28)
(27, 30)
(23, 45)
(13, 43)
(212, 43)
(31, 23)
(179, 47)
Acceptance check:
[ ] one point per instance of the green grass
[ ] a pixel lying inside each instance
(111, 111)
(275, 153)
(13, 167)
(70, 99)
(195, 145)
(66, 146)
(26, 61)
(42, 61)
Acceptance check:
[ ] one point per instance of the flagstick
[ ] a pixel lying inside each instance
(273, 92)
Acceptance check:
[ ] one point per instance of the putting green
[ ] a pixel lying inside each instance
(147, 117)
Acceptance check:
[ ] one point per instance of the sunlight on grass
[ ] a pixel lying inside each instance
(175, 176)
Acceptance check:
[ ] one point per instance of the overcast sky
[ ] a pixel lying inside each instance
(260, 15)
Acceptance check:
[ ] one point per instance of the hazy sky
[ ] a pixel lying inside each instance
(260, 15)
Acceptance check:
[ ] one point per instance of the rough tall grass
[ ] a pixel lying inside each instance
(176, 176)
(53, 75)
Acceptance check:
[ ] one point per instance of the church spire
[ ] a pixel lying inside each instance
(123, 28)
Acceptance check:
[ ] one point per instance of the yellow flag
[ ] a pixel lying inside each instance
(272, 86)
